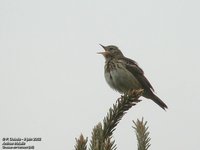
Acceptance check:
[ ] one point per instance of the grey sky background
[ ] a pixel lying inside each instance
(51, 79)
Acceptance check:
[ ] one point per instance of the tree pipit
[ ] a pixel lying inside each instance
(123, 74)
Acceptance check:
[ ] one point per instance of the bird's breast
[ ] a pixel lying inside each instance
(119, 78)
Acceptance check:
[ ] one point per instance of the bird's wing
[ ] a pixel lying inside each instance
(138, 73)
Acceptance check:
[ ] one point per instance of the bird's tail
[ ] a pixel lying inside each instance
(157, 100)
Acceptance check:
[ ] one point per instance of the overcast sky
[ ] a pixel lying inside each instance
(51, 79)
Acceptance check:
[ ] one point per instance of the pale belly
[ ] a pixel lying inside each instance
(122, 80)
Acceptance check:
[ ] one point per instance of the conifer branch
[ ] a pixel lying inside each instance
(142, 134)
(102, 134)
(97, 141)
(115, 114)
(81, 143)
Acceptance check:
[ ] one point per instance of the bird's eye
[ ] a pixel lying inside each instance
(111, 48)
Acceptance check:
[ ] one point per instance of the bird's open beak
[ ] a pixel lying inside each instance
(103, 47)
(105, 53)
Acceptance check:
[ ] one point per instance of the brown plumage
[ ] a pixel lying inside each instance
(123, 74)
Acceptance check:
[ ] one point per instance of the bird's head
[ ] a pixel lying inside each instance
(111, 52)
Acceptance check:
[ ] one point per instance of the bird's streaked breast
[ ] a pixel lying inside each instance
(119, 78)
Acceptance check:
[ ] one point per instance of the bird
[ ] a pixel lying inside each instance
(123, 74)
